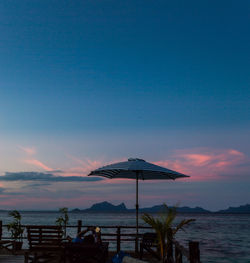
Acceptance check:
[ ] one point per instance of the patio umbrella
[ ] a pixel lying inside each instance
(137, 169)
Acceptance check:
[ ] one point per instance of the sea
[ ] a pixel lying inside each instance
(222, 237)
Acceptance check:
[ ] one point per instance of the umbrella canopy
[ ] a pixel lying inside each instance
(137, 169)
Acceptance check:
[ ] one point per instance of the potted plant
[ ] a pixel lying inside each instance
(165, 231)
(16, 229)
(63, 219)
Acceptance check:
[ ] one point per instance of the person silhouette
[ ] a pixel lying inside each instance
(93, 237)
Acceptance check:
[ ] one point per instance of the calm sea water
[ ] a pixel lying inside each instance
(223, 238)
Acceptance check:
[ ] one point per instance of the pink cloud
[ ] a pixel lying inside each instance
(201, 164)
(198, 159)
(28, 150)
(38, 164)
(86, 166)
(235, 152)
(10, 202)
(206, 164)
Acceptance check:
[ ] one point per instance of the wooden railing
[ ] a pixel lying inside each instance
(175, 251)
(192, 253)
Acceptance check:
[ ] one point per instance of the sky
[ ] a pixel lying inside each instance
(89, 83)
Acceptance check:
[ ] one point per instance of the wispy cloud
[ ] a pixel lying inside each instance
(38, 164)
(84, 166)
(27, 150)
(206, 164)
(30, 153)
(47, 177)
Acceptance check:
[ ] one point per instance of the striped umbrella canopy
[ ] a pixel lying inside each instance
(137, 169)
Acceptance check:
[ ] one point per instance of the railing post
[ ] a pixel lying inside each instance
(1, 229)
(194, 252)
(79, 226)
(118, 239)
(178, 255)
(136, 244)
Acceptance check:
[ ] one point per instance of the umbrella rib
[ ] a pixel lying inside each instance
(109, 173)
(113, 172)
(170, 175)
(106, 174)
(116, 171)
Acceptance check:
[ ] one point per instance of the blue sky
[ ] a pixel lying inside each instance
(86, 83)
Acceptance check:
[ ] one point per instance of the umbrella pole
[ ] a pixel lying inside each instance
(137, 210)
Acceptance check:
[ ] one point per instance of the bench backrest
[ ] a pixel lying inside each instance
(44, 235)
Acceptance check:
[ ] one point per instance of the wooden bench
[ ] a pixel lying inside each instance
(45, 244)
(6, 243)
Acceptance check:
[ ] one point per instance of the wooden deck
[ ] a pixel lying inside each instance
(6, 257)
(20, 259)
(11, 258)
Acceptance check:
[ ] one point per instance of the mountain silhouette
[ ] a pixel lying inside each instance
(106, 207)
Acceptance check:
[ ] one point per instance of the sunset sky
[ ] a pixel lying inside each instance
(88, 83)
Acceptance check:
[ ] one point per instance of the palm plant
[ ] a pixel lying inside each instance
(163, 226)
(15, 226)
(63, 219)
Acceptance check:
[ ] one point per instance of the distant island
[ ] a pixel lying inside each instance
(243, 209)
(106, 207)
